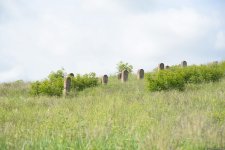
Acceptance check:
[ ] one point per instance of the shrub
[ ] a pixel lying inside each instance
(53, 85)
(165, 80)
(124, 66)
(176, 77)
(201, 74)
(222, 67)
(79, 82)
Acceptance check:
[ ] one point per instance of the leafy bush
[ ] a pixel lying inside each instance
(200, 74)
(176, 77)
(222, 67)
(124, 66)
(79, 82)
(165, 80)
(54, 84)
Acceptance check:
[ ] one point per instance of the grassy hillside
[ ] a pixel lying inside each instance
(115, 116)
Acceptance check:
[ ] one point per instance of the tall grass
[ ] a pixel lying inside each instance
(116, 116)
(14, 89)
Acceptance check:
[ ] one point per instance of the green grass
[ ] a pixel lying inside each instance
(115, 116)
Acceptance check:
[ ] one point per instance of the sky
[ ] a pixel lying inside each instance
(82, 36)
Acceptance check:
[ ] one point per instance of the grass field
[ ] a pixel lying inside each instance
(115, 116)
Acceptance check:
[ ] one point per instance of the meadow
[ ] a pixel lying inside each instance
(114, 116)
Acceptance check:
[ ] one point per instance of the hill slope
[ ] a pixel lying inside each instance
(115, 116)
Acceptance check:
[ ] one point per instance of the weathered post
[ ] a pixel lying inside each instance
(67, 86)
(119, 76)
(167, 67)
(183, 64)
(105, 79)
(161, 66)
(140, 74)
(124, 76)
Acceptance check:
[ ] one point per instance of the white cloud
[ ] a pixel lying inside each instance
(100, 5)
(94, 35)
(163, 36)
(12, 74)
(220, 41)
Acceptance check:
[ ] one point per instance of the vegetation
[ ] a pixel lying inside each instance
(116, 116)
(80, 83)
(165, 80)
(121, 66)
(177, 77)
(15, 89)
(53, 85)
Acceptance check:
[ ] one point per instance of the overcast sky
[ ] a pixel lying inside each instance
(82, 36)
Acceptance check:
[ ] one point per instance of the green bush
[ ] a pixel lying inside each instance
(222, 66)
(165, 80)
(79, 82)
(201, 74)
(176, 77)
(53, 85)
(121, 66)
